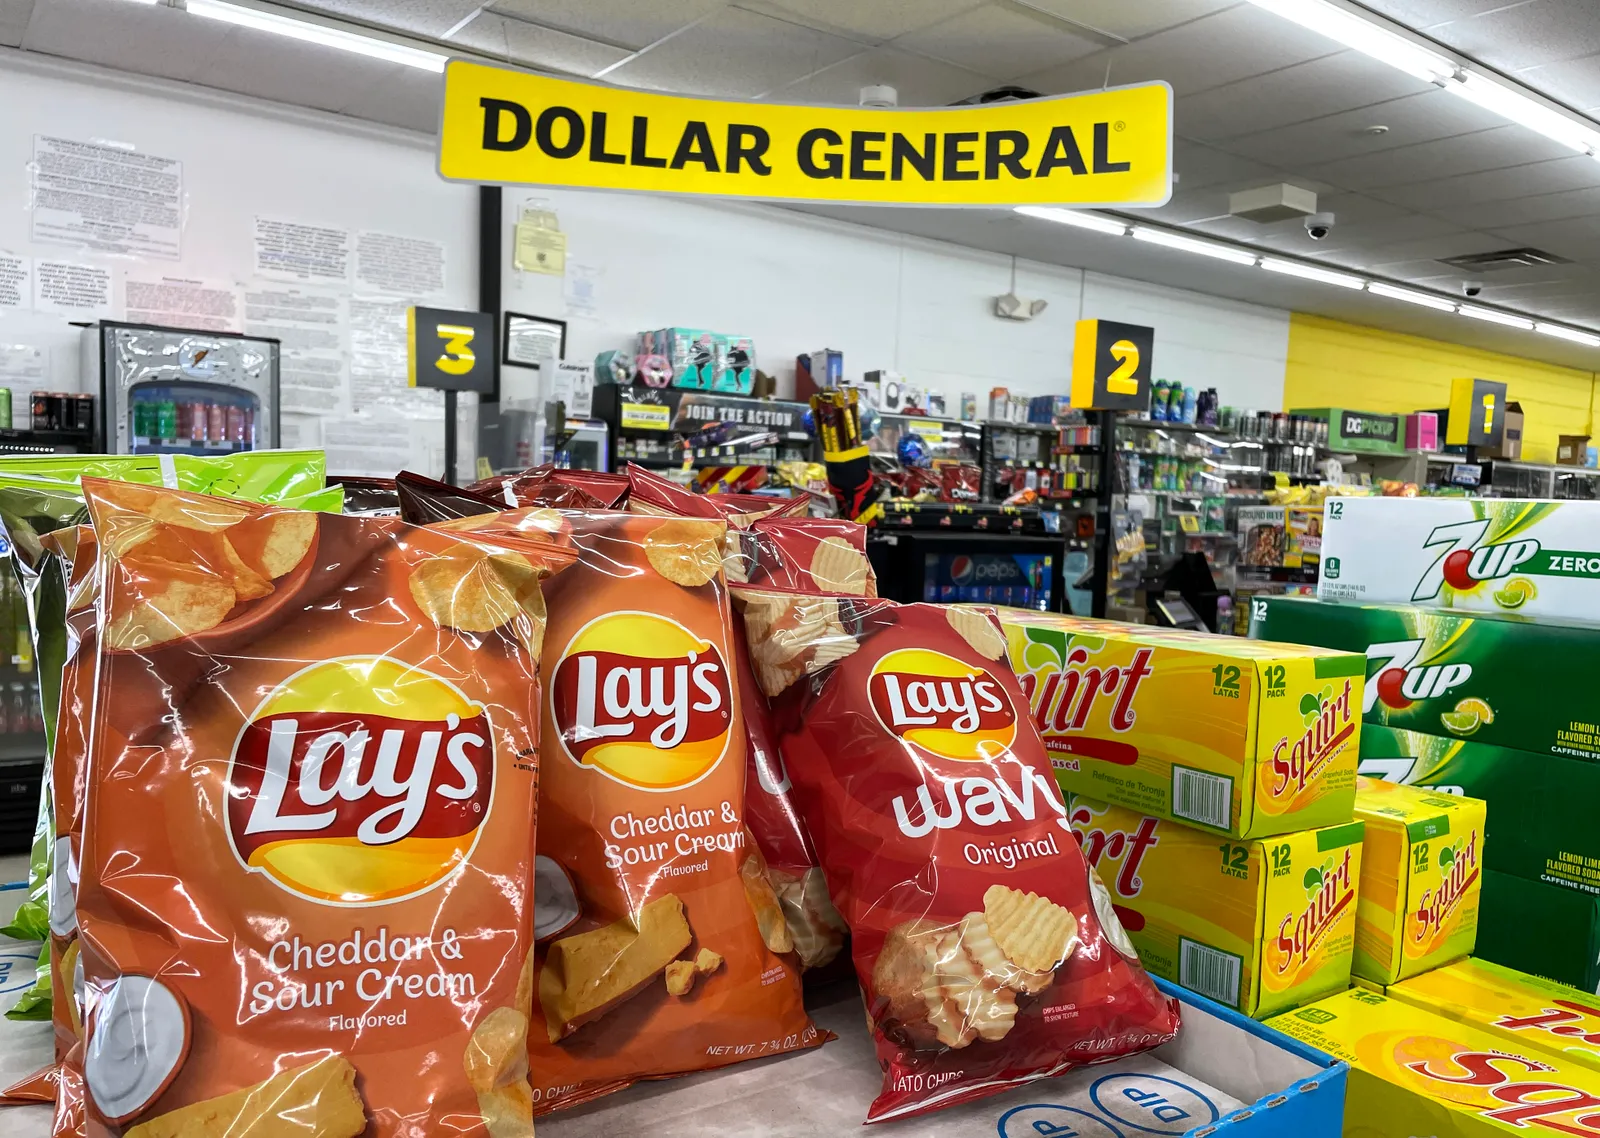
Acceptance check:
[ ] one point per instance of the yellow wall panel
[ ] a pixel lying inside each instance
(1334, 364)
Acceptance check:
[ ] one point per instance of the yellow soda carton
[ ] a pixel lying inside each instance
(1260, 925)
(1421, 873)
(1243, 737)
(1413, 1072)
(1526, 1010)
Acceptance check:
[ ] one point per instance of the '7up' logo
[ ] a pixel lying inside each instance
(1399, 683)
(1462, 564)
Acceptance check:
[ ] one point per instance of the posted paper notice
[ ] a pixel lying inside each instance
(107, 198)
(289, 250)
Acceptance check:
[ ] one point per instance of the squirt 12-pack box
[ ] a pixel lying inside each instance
(1487, 677)
(1535, 558)
(1260, 925)
(1421, 875)
(1413, 1071)
(1234, 736)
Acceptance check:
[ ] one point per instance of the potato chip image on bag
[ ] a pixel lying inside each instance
(643, 841)
(306, 861)
(986, 957)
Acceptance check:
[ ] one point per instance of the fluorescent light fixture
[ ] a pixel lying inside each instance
(1190, 245)
(1427, 300)
(1311, 273)
(1588, 339)
(323, 34)
(1494, 317)
(1076, 217)
(1364, 35)
(1511, 104)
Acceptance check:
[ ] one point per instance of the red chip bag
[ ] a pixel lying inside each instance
(554, 486)
(649, 493)
(988, 952)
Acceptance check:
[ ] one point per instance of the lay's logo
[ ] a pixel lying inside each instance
(643, 700)
(946, 706)
(359, 781)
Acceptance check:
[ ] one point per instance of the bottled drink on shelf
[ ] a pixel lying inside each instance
(166, 419)
(216, 423)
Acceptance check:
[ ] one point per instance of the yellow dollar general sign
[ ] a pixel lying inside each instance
(1111, 366)
(1477, 412)
(1110, 147)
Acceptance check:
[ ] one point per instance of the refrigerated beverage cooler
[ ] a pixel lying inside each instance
(170, 391)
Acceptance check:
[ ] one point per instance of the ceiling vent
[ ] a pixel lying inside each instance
(1503, 259)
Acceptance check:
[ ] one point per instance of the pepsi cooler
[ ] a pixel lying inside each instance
(1017, 570)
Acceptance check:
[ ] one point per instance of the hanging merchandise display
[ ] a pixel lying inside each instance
(1105, 147)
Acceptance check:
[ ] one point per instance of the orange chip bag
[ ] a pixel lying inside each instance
(306, 851)
(645, 869)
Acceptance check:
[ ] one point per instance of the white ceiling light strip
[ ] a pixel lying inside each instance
(1190, 245)
(1077, 217)
(1511, 104)
(1493, 316)
(1311, 273)
(1365, 36)
(317, 33)
(1556, 330)
(1242, 255)
(1411, 296)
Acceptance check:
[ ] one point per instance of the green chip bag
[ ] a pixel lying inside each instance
(254, 475)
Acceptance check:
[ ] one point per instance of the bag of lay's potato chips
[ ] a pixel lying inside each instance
(662, 947)
(988, 952)
(70, 554)
(555, 486)
(649, 493)
(306, 857)
(255, 475)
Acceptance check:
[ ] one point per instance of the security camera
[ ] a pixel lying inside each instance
(1471, 288)
(1319, 225)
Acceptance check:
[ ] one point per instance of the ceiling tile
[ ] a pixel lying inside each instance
(1513, 35)
(14, 20)
(920, 82)
(1131, 19)
(1424, 13)
(1311, 90)
(425, 17)
(514, 40)
(1468, 190)
(734, 54)
(1422, 117)
(410, 98)
(308, 75)
(999, 40)
(1443, 158)
(1195, 56)
(1198, 165)
(1575, 82)
(625, 23)
(875, 21)
(147, 40)
(1526, 211)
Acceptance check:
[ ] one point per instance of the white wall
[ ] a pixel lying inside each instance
(240, 158)
(795, 283)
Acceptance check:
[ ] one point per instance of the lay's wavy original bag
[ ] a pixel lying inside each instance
(306, 854)
(662, 948)
(988, 952)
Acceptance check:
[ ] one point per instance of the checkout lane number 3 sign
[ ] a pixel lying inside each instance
(1110, 147)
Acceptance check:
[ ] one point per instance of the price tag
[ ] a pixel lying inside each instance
(646, 417)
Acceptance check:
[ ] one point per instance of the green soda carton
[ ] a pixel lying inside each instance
(1490, 678)
(1540, 929)
(1541, 807)
(1531, 557)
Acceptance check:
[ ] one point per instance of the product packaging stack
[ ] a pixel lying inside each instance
(1480, 621)
(558, 783)
(1212, 783)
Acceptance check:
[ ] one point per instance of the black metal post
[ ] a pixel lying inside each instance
(450, 437)
(491, 241)
(1103, 536)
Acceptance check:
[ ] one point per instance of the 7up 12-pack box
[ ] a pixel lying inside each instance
(1243, 738)
(1485, 677)
(1534, 558)
(1541, 823)
(1260, 925)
